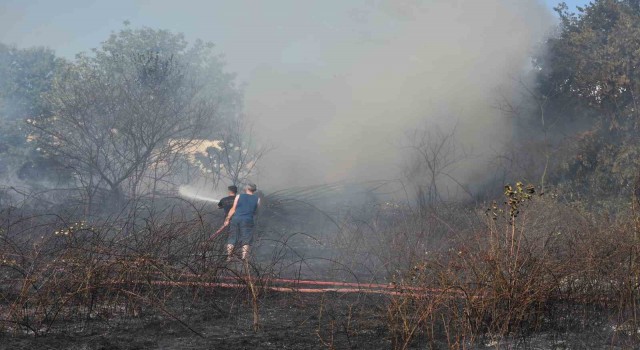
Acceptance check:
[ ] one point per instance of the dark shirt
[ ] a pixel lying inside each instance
(226, 203)
(246, 208)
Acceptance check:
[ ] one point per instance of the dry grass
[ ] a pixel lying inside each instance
(527, 265)
(54, 270)
(535, 265)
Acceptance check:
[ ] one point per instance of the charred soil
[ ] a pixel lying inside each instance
(223, 320)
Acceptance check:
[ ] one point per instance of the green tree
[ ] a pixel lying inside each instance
(123, 114)
(591, 65)
(25, 75)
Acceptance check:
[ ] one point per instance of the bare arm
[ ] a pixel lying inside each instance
(232, 211)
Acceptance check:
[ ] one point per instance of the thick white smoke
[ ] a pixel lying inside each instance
(339, 103)
(334, 85)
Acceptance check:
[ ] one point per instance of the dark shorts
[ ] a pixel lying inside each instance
(241, 232)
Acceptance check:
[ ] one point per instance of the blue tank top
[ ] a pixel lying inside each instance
(246, 207)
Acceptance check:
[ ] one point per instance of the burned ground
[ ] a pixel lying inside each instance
(543, 275)
(288, 321)
(222, 320)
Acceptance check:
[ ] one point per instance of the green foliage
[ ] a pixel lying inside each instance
(123, 113)
(132, 48)
(25, 75)
(595, 57)
(592, 65)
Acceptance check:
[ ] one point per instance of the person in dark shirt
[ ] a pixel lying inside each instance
(240, 218)
(227, 202)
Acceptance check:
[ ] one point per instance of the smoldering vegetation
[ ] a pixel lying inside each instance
(110, 161)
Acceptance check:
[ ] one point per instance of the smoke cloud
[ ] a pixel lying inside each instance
(343, 96)
(333, 85)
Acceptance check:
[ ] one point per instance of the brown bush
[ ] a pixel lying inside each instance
(111, 267)
(535, 265)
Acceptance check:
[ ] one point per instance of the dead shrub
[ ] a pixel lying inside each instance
(536, 264)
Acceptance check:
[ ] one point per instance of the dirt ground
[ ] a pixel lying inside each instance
(287, 321)
(223, 319)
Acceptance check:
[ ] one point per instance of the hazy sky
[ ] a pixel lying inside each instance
(246, 31)
(333, 84)
(571, 3)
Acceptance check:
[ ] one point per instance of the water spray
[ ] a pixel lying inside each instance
(189, 193)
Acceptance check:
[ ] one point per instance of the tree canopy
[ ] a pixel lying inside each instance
(591, 64)
(25, 76)
(121, 114)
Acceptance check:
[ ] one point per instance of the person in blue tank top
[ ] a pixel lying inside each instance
(241, 219)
